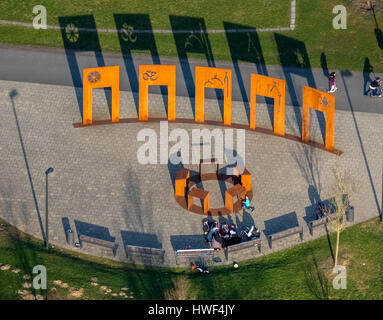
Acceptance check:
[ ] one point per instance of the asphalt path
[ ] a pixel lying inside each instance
(58, 67)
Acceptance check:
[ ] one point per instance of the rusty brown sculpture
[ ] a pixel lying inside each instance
(186, 190)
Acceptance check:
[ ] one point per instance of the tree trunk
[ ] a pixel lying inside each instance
(337, 245)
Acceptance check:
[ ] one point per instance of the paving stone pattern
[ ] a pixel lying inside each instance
(99, 187)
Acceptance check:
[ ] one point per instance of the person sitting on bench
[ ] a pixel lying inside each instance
(224, 231)
(210, 229)
(246, 204)
(217, 242)
(233, 231)
(234, 236)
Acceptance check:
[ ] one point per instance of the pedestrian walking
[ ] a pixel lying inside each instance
(331, 83)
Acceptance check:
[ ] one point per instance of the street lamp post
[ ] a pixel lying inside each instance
(49, 170)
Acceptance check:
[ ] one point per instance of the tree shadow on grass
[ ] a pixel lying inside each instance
(315, 278)
(24, 254)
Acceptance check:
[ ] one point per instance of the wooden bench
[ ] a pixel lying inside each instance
(144, 254)
(200, 194)
(285, 233)
(194, 253)
(315, 223)
(245, 245)
(101, 242)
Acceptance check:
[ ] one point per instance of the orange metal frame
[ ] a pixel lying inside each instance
(321, 101)
(101, 77)
(160, 75)
(271, 88)
(206, 77)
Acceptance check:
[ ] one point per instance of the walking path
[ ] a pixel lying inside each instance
(50, 66)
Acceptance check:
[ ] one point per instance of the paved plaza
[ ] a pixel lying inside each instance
(98, 183)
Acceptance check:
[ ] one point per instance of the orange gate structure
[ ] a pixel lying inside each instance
(101, 77)
(160, 75)
(321, 101)
(271, 88)
(207, 77)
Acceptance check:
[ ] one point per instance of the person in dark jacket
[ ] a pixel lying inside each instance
(376, 88)
(331, 83)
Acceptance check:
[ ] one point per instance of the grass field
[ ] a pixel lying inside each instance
(303, 272)
(344, 49)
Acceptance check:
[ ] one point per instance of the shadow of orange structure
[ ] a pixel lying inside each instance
(206, 77)
(157, 75)
(321, 101)
(101, 77)
(271, 88)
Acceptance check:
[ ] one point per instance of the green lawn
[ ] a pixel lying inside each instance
(288, 274)
(344, 49)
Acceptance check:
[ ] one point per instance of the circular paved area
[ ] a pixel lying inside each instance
(99, 186)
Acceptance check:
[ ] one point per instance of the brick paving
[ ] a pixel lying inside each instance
(99, 185)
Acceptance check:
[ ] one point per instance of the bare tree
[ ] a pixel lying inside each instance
(180, 291)
(340, 194)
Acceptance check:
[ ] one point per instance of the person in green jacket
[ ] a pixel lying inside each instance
(246, 204)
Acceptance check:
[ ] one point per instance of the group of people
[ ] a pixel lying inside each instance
(221, 235)
(375, 86)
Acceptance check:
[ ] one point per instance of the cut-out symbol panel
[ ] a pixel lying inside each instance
(271, 88)
(101, 77)
(159, 75)
(206, 77)
(321, 101)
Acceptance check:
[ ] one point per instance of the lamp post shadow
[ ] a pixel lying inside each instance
(12, 96)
